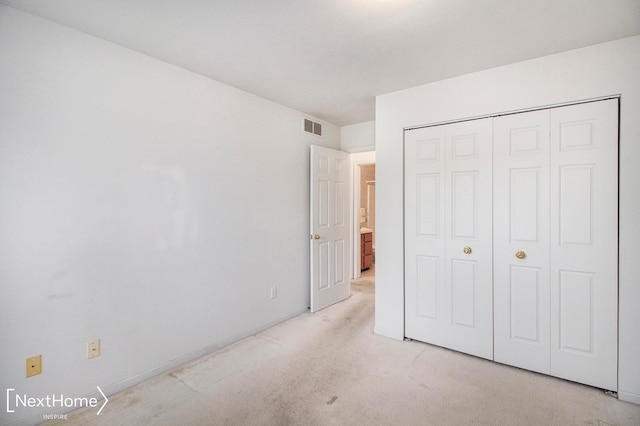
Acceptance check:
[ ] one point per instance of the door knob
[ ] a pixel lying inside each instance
(520, 254)
(316, 237)
(467, 250)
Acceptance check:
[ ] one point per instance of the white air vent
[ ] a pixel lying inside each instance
(312, 127)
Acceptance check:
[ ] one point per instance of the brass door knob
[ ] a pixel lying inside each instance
(467, 250)
(520, 254)
(316, 237)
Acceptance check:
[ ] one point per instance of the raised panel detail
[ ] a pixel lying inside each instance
(523, 204)
(464, 147)
(427, 150)
(576, 204)
(524, 141)
(463, 288)
(524, 304)
(339, 166)
(338, 251)
(576, 311)
(323, 265)
(339, 205)
(576, 135)
(428, 204)
(465, 212)
(323, 203)
(427, 286)
(323, 164)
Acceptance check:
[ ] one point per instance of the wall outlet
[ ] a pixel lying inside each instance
(93, 349)
(274, 292)
(34, 365)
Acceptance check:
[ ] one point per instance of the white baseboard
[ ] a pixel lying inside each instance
(394, 334)
(112, 389)
(629, 397)
(178, 362)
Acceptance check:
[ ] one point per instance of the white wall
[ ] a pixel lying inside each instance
(358, 137)
(140, 204)
(600, 70)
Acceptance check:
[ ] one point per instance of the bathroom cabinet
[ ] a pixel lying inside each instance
(366, 250)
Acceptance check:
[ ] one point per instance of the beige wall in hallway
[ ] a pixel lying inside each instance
(367, 174)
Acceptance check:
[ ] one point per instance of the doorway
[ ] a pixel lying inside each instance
(363, 213)
(367, 216)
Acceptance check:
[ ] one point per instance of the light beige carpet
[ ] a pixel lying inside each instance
(328, 368)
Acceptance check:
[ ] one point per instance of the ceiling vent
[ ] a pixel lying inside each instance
(312, 127)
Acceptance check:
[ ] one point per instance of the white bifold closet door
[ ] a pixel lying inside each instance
(511, 239)
(555, 241)
(448, 238)
(584, 243)
(521, 215)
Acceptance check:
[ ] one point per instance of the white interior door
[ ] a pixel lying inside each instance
(448, 251)
(584, 243)
(521, 240)
(425, 307)
(329, 234)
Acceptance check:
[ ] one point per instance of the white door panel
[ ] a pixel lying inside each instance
(468, 242)
(329, 227)
(447, 208)
(425, 235)
(584, 238)
(521, 224)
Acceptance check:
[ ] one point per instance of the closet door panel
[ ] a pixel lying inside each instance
(584, 238)
(448, 270)
(468, 279)
(521, 225)
(424, 235)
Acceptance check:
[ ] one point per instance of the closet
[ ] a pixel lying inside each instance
(511, 233)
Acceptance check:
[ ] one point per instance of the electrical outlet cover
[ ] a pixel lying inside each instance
(93, 349)
(34, 365)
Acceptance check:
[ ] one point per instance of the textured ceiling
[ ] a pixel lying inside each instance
(330, 58)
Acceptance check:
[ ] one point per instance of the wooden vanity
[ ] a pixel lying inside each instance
(366, 250)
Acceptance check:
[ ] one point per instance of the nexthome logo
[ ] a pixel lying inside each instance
(16, 400)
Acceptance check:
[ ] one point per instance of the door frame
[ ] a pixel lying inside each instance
(358, 159)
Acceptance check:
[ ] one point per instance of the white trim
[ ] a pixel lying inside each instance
(361, 149)
(172, 365)
(393, 334)
(515, 111)
(114, 388)
(629, 397)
